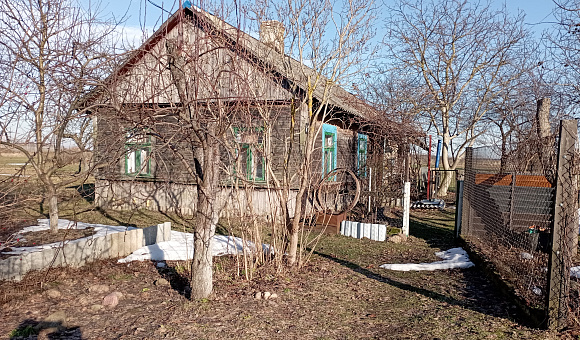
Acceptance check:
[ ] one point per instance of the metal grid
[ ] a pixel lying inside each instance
(523, 219)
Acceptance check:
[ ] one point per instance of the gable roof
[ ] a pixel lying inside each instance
(288, 68)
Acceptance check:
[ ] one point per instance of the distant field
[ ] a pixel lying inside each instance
(11, 163)
(14, 162)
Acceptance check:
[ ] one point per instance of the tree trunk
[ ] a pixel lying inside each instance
(295, 227)
(543, 130)
(53, 211)
(207, 216)
(543, 118)
(447, 175)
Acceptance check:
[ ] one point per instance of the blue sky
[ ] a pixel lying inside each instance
(142, 13)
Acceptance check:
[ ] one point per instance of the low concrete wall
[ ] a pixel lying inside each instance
(170, 197)
(375, 232)
(77, 253)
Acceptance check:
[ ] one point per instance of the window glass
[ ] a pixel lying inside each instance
(329, 149)
(138, 155)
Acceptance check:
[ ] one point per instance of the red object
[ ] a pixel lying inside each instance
(429, 171)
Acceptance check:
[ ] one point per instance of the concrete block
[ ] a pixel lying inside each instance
(374, 232)
(100, 248)
(116, 245)
(166, 231)
(10, 268)
(382, 233)
(138, 243)
(25, 263)
(152, 234)
(367, 230)
(36, 260)
(74, 255)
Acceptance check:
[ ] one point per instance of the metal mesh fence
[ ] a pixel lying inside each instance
(522, 219)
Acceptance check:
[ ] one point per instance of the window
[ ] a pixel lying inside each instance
(361, 154)
(251, 148)
(328, 148)
(138, 155)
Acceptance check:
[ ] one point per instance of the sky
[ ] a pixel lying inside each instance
(144, 14)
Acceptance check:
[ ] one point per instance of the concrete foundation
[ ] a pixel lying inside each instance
(77, 253)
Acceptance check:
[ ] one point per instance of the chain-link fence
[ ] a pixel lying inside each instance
(522, 219)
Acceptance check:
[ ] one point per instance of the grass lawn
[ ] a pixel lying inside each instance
(341, 293)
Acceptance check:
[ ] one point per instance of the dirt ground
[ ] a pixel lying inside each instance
(338, 295)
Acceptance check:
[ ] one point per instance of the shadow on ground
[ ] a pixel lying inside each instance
(32, 329)
(476, 299)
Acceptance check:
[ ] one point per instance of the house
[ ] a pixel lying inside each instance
(256, 92)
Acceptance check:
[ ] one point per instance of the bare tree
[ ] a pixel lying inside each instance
(51, 53)
(326, 45)
(460, 53)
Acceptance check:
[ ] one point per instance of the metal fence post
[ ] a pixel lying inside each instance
(458, 204)
(469, 178)
(564, 229)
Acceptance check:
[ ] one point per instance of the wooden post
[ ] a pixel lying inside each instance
(565, 228)
(468, 187)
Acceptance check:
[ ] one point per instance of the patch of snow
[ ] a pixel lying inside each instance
(180, 248)
(452, 259)
(43, 224)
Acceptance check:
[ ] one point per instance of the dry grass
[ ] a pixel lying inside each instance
(340, 294)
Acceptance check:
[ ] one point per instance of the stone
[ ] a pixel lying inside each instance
(258, 295)
(396, 238)
(55, 321)
(267, 295)
(99, 289)
(161, 264)
(96, 308)
(161, 282)
(83, 300)
(53, 293)
(526, 256)
(112, 300)
(274, 296)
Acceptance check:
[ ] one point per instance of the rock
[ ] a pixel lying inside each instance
(99, 289)
(537, 290)
(83, 301)
(274, 296)
(112, 299)
(399, 238)
(258, 296)
(526, 256)
(96, 308)
(267, 295)
(55, 321)
(161, 265)
(161, 282)
(53, 293)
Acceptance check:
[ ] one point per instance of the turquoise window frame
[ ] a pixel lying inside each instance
(362, 154)
(249, 150)
(329, 131)
(137, 147)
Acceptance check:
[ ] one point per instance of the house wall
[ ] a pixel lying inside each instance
(182, 198)
(172, 187)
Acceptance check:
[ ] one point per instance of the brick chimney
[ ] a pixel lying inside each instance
(272, 34)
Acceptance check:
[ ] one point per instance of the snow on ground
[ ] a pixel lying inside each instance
(43, 224)
(452, 259)
(179, 248)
